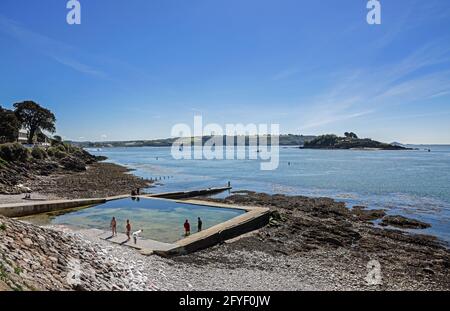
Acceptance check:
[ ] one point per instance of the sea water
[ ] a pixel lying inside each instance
(413, 183)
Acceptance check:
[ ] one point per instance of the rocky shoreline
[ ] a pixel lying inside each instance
(100, 180)
(304, 227)
(62, 171)
(310, 244)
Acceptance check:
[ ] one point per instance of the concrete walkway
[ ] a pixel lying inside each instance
(147, 244)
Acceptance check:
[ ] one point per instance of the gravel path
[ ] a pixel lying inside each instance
(257, 271)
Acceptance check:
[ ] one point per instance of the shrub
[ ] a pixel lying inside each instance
(57, 152)
(2, 227)
(14, 152)
(69, 148)
(38, 153)
(61, 147)
(51, 151)
(60, 154)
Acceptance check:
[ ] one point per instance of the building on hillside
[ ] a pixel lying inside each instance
(39, 138)
(23, 136)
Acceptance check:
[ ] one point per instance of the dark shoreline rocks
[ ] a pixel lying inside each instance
(362, 213)
(97, 181)
(63, 171)
(403, 222)
(19, 165)
(313, 227)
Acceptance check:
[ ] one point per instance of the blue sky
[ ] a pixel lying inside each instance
(134, 68)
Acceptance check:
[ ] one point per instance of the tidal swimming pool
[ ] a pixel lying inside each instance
(161, 220)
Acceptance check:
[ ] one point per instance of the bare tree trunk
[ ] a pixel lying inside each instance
(31, 135)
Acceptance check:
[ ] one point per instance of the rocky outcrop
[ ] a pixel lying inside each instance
(35, 258)
(73, 164)
(20, 165)
(403, 222)
(98, 181)
(334, 142)
(362, 213)
(320, 226)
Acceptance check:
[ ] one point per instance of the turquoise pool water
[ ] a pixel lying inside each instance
(161, 220)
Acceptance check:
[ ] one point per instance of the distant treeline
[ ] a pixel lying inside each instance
(284, 140)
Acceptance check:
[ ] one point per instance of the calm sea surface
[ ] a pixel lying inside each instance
(412, 183)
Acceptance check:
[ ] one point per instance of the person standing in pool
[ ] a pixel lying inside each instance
(128, 226)
(199, 224)
(187, 228)
(114, 226)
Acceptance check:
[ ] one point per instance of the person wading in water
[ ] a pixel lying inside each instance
(114, 226)
(199, 224)
(187, 228)
(128, 226)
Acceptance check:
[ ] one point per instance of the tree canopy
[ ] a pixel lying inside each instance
(9, 125)
(350, 135)
(34, 118)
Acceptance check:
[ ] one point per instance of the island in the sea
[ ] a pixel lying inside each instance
(349, 141)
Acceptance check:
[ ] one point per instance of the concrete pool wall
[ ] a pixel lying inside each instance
(253, 219)
(39, 207)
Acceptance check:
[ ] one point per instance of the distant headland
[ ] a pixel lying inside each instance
(329, 141)
(349, 141)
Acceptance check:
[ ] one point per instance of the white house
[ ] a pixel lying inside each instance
(22, 136)
(23, 139)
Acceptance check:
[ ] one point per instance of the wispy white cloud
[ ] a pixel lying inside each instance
(78, 66)
(56, 50)
(361, 92)
(440, 94)
(333, 118)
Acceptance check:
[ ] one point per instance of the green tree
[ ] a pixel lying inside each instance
(58, 138)
(34, 118)
(9, 126)
(350, 135)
